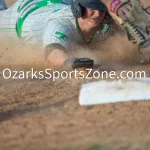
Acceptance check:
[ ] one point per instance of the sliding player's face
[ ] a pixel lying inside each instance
(93, 17)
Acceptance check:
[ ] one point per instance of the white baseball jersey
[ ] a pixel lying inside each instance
(41, 22)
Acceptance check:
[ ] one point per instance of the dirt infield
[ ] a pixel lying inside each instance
(36, 114)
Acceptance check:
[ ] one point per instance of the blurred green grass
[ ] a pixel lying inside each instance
(141, 143)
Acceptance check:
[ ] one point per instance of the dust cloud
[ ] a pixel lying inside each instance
(116, 50)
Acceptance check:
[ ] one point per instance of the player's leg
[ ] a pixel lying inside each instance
(2, 5)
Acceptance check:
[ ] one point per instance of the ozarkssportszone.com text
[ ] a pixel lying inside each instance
(88, 74)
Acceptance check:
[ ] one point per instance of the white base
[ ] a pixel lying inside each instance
(114, 91)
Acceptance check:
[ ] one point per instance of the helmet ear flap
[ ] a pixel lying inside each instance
(76, 9)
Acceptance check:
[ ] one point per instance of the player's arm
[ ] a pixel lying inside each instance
(56, 41)
(55, 54)
(59, 58)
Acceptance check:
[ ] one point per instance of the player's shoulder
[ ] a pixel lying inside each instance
(41, 3)
(44, 5)
(65, 23)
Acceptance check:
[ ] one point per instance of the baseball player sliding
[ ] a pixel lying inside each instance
(55, 24)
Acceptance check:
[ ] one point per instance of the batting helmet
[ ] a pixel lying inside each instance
(78, 6)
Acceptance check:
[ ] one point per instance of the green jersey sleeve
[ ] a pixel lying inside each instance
(59, 31)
